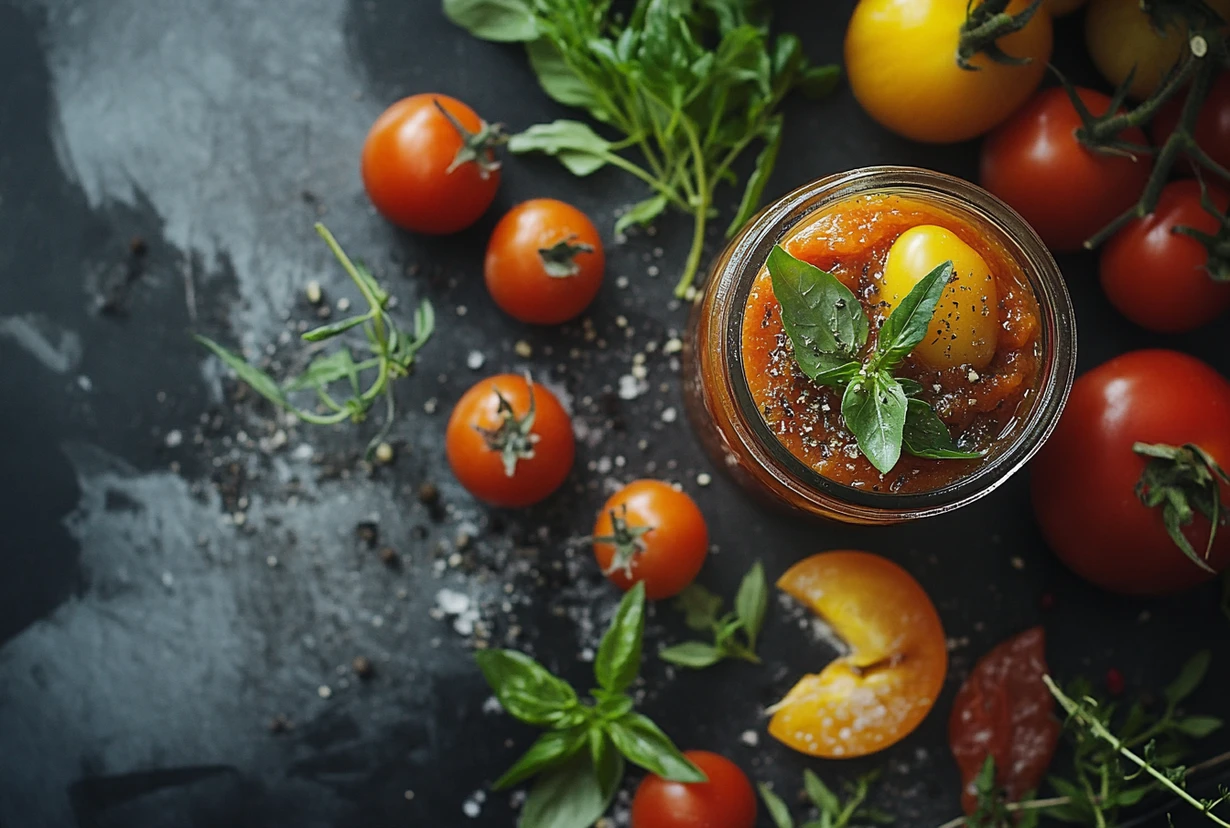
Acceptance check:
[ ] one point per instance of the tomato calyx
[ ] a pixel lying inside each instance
(477, 147)
(560, 259)
(514, 438)
(1182, 480)
(984, 25)
(626, 539)
(1218, 244)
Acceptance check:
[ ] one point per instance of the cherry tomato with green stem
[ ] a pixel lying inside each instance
(544, 262)
(429, 164)
(725, 801)
(1160, 277)
(1130, 488)
(649, 531)
(1066, 192)
(1212, 132)
(509, 441)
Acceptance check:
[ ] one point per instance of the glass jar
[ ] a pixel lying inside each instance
(720, 404)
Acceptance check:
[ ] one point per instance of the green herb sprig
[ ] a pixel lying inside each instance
(691, 84)
(828, 330)
(734, 634)
(832, 811)
(393, 352)
(1118, 758)
(579, 761)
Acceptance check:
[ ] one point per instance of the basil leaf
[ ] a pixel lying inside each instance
(751, 602)
(525, 688)
(776, 808)
(325, 370)
(565, 797)
(558, 79)
(1189, 678)
(619, 655)
(700, 607)
(752, 193)
(694, 654)
(548, 750)
(261, 382)
(834, 370)
(820, 794)
(907, 325)
(607, 761)
(643, 743)
(577, 147)
(874, 410)
(642, 213)
(787, 56)
(1198, 726)
(504, 21)
(818, 312)
(912, 388)
(925, 435)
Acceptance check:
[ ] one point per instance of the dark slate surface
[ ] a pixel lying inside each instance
(171, 578)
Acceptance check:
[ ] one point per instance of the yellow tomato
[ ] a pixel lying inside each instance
(1121, 35)
(1058, 8)
(901, 61)
(965, 327)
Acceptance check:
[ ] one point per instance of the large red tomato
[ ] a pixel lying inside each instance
(428, 165)
(1066, 192)
(1085, 480)
(1160, 279)
(725, 801)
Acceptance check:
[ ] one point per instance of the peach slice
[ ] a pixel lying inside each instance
(884, 687)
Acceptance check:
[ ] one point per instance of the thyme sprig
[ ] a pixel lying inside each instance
(392, 357)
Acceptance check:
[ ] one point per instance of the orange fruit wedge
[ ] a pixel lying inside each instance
(884, 687)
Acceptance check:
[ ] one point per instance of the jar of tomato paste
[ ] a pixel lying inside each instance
(767, 382)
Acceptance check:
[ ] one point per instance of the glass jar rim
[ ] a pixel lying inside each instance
(1057, 330)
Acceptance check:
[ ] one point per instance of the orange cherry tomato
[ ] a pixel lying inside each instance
(650, 532)
(428, 164)
(1159, 278)
(877, 694)
(509, 441)
(725, 801)
(544, 262)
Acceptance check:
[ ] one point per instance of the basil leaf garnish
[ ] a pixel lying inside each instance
(925, 435)
(907, 325)
(819, 313)
(874, 410)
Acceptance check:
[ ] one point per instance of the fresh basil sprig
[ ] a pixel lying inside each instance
(701, 614)
(828, 329)
(579, 761)
(690, 85)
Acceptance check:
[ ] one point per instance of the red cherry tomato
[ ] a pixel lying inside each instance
(725, 801)
(1084, 479)
(1159, 278)
(650, 532)
(1212, 124)
(544, 262)
(1004, 710)
(429, 171)
(502, 455)
(1067, 193)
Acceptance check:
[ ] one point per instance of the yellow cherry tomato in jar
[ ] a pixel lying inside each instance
(965, 327)
(901, 58)
(1121, 36)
